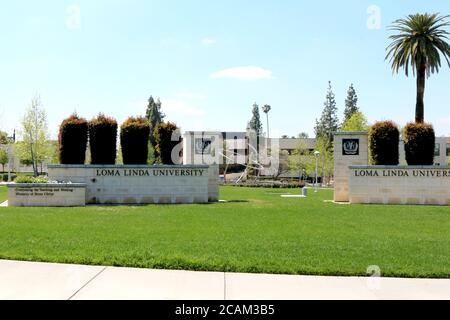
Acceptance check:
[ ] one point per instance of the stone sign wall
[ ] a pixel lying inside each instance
(46, 195)
(115, 184)
(400, 184)
(351, 149)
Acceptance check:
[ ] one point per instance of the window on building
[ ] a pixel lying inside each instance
(448, 153)
(437, 150)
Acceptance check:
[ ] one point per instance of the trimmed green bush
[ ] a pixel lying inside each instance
(5, 177)
(164, 144)
(231, 168)
(134, 140)
(384, 139)
(29, 179)
(419, 141)
(103, 140)
(24, 179)
(72, 138)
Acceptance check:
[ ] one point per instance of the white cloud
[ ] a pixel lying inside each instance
(208, 41)
(243, 73)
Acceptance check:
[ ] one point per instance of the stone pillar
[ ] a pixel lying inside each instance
(205, 148)
(350, 149)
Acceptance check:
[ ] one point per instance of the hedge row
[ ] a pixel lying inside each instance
(29, 179)
(165, 135)
(419, 140)
(419, 143)
(273, 185)
(134, 139)
(103, 140)
(5, 177)
(101, 131)
(73, 136)
(384, 138)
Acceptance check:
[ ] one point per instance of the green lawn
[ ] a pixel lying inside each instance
(256, 231)
(3, 194)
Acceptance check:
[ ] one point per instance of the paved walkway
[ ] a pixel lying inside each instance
(33, 280)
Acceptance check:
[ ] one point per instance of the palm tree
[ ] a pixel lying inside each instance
(266, 108)
(420, 40)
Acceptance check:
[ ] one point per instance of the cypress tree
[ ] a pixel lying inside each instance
(255, 122)
(328, 122)
(350, 103)
(155, 117)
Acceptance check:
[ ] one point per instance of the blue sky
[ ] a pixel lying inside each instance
(209, 61)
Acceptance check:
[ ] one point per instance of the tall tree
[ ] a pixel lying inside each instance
(255, 122)
(326, 158)
(3, 158)
(302, 160)
(357, 122)
(350, 103)
(303, 135)
(254, 129)
(3, 137)
(155, 117)
(328, 122)
(419, 43)
(35, 133)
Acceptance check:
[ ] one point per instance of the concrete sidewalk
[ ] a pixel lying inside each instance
(33, 280)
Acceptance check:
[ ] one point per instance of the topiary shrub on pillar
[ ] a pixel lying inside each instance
(103, 140)
(134, 140)
(419, 141)
(164, 145)
(384, 139)
(72, 138)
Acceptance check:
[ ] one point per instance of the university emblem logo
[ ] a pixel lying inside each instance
(202, 146)
(350, 147)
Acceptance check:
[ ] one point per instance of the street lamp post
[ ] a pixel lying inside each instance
(317, 154)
